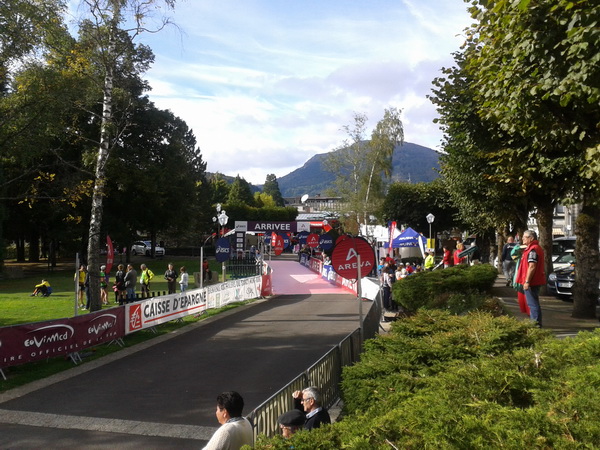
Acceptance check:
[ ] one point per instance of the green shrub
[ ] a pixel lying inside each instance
(500, 383)
(435, 289)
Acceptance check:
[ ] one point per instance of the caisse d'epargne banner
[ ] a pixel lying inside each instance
(40, 340)
(157, 310)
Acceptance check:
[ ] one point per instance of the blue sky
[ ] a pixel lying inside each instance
(267, 84)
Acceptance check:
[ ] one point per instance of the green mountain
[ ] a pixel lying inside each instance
(411, 162)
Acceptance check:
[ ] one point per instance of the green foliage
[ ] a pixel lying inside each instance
(459, 288)
(409, 204)
(271, 187)
(240, 193)
(473, 381)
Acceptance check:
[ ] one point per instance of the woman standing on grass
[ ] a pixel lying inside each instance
(183, 281)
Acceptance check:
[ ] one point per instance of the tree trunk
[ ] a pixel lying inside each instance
(34, 247)
(585, 294)
(100, 184)
(544, 218)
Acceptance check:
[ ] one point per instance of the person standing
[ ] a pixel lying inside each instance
(235, 431)
(531, 274)
(171, 277)
(103, 285)
(429, 261)
(130, 283)
(508, 264)
(457, 258)
(386, 284)
(183, 281)
(447, 258)
(80, 278)
(119, 286)
(88, 294)
(145, 279)
(310, 401)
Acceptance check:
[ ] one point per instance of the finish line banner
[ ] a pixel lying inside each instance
(40, 340)
(154, 311)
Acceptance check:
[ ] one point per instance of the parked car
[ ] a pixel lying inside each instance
(144, 248)
(561, 283)
(562, 245)
(564, 260)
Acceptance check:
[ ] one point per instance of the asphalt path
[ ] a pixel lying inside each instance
(161, 394)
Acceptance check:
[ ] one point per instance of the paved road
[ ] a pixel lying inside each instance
(162, 394)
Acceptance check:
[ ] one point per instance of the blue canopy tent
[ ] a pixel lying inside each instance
(409, 238)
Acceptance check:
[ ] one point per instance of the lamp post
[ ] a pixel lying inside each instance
(430, 218)
(222, 218)
(202, 260)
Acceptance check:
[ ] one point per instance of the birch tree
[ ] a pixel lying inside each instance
(110, 19)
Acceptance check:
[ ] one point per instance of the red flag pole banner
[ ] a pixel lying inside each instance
(110, 254)
(391, 237)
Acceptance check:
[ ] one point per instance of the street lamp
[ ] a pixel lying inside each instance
(222, 218)
(430, 218)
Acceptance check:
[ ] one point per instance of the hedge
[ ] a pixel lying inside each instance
(473, 381)
(458, 289)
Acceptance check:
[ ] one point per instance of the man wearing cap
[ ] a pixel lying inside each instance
(290, 422)
(309, 400)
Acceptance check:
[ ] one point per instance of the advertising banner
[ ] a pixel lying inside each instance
(40, 340)
(268, 227)
(154, 311)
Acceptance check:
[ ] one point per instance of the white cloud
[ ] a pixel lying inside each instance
(266, 84)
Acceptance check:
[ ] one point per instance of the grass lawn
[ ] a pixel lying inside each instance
(18, 307)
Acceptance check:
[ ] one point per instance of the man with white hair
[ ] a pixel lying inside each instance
(310, 401)
(531, 274)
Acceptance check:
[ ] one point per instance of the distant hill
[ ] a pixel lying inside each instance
(410, 162)
(230, 180)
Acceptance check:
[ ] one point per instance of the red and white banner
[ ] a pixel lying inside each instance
(40, 340)
(154, 311)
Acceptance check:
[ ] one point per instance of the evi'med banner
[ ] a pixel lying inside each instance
(40, 340)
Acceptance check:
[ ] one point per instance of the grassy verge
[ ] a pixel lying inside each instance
(18, 307)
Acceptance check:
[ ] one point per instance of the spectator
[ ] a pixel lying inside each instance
(183, 281)
(119, 286)
(171, 277)
(387, 280)
(130, 283)
(80, 278)
(429, 261)
(447, 258)
(235, 431)
(457, 259)
(103, 285)
(309, 400)
(508, 263)
(145, 279)
(290, 422)
(88, 294)
(531, 274)
(206, 272)
(42, 288)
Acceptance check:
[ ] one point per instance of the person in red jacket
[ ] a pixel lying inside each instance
(447, 258)
(457, 259)
(531, 274)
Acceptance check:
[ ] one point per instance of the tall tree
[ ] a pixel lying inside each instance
(240, 193)
(108, 19)
(361, 167)
(271, 187)
(533, 71)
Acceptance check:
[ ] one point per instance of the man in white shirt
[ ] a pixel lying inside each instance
(235, 430)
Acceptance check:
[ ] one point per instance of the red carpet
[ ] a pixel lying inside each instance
(289, 278)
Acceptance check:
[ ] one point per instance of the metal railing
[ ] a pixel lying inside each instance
(326, 374)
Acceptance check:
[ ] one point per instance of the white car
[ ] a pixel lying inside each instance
(563, 261)
(144, 248)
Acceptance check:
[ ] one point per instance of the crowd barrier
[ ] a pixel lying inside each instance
(20, 344)
(326, 373)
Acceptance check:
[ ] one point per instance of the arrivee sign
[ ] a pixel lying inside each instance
(344, 258)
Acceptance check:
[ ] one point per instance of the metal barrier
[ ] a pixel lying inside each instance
(325, 373)
(243, 267)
